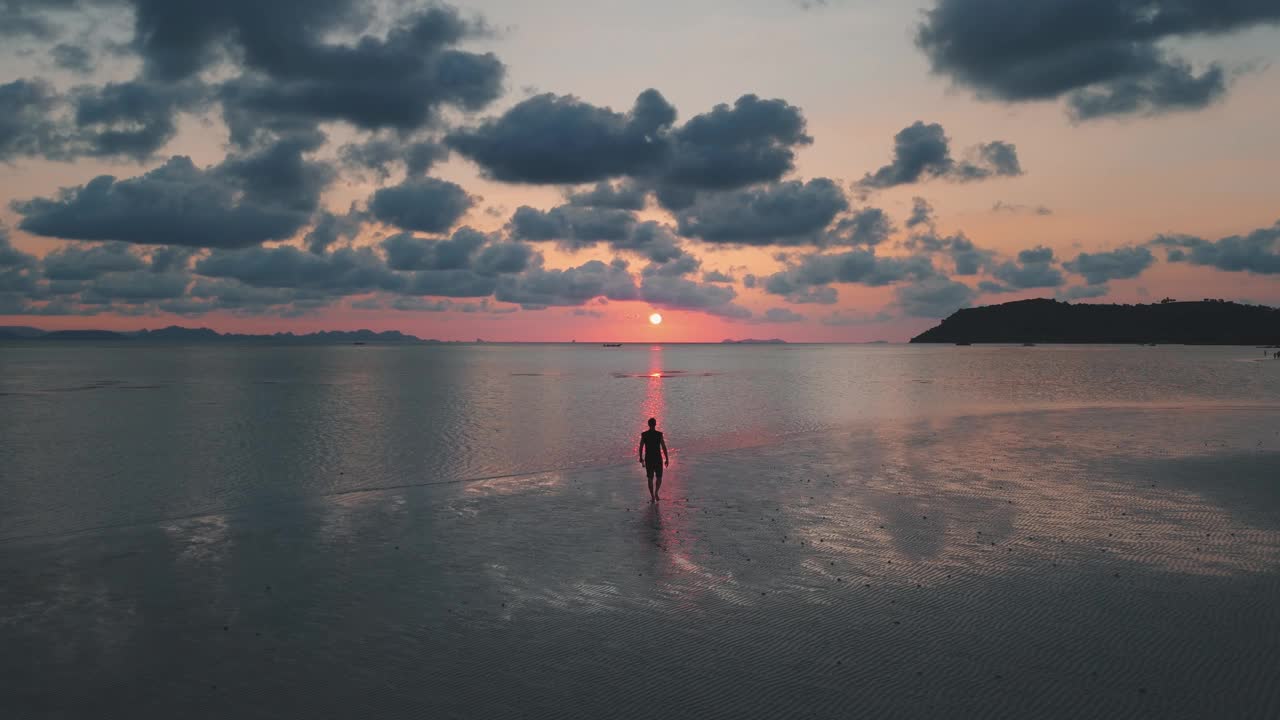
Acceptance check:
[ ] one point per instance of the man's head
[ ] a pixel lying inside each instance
(653, 423)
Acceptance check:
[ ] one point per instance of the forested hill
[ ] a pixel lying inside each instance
(1207, 322)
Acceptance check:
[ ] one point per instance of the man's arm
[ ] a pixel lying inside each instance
(640, 449)
(666, 459)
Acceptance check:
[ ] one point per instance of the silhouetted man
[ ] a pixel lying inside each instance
(650, 442)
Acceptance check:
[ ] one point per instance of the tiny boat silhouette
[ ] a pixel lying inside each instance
(962, 344)
(613, 345)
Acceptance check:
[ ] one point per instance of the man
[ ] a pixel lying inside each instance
(650, 441)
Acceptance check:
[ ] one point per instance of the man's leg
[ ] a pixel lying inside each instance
(649, 474)
(657, 485)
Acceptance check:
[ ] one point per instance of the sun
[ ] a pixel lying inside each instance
(656, 319)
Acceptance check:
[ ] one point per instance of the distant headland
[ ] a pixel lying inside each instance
(1205, 322)
(753, 341)
(177, 334)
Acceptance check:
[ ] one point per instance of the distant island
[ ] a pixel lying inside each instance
(1206, 322)
(176, 334)
(753, 341)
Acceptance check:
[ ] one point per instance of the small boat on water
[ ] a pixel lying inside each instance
(613, 344)
(963, 344)
(1028, 344)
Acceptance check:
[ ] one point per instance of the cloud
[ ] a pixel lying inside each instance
(934, 297)
(653, 240)
(73, 58)
(1033, 269)
(248, 199)
(923, 151)
(1013, 209)
(968, 258)
(785, 213)
(384, 153)
(558, 139)
(561, 139)
(1082, 292)
(329, 228)
(716, 276)
(1121, 264)
(345, 271)
(570, 287)
(85, 262)
(1257, 252)
(618, 196)
(921, 213)
(18, 275)
(868, 226)
(25, 125)
(406, 252)
(424, 204)
(294, 73)
(731, 147)
(802, 282)
(573, 226)
(132, 119)
(781, 315)
(679, 293)
(1106, 57)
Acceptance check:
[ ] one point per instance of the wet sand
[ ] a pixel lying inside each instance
(1075, 563)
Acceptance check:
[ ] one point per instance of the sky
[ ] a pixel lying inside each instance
(838, 170)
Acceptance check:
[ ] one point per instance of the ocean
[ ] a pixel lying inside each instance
(462, 531)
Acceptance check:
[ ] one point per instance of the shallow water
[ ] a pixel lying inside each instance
(461, 532)
(94, 435)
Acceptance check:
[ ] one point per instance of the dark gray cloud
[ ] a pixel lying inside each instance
(331, 228)
(251, 198)
(968, 258)
(798, 282)
(423, 204)
(1034, 268)
(504, 258)
(132, 119)
(294, 71)
(74, 58)
(452, 283)
(80, 261)
(561, 139)
(26, 125)
(18, 275)
(781, 315)
(934, 297)
(1257, 252)
(345, 271)
(1014, 209)
(1105, 56)
(626, 195)
(716, 276)
(1121, 264)
(653, 240)
(572, 226)
(868, 226)
(1083, 292)
(406, 252)
(923, 151)
(671, 292)
(382, 154)
(921, 213)
(784, 213)
(679, 266)
(731, 147)
(539, 287)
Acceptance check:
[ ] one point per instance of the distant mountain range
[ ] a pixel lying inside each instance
(1207, 322)
(177, 334)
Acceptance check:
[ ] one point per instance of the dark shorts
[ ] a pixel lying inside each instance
(653, 468)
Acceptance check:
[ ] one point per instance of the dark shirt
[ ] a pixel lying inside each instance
(652, 441)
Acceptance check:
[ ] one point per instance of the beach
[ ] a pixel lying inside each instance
(1089, 562)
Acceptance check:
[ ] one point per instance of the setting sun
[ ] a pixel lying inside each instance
(656, 319)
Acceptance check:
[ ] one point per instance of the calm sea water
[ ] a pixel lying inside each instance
(95, 435)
